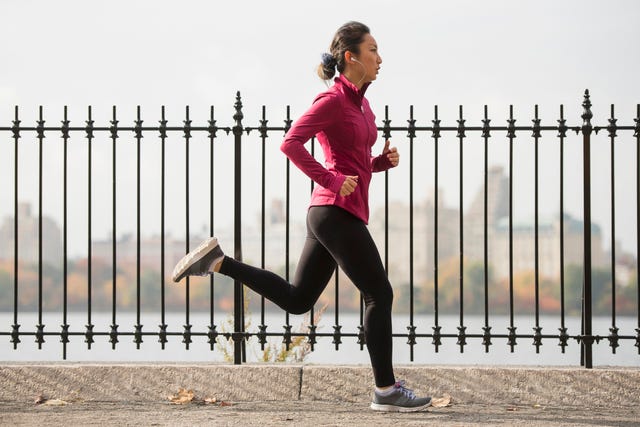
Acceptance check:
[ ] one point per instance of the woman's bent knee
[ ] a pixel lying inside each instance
(381, 296)
(299, 309)
(297, 306)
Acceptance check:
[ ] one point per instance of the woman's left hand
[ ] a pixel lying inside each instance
(391, 153)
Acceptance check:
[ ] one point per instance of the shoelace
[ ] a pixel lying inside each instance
(404, 390)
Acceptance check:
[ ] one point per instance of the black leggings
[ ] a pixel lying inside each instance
(333, 236)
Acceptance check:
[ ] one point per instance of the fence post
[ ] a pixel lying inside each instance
(587, 338)
(238, 297)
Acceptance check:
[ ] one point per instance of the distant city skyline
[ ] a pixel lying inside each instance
(399, 232)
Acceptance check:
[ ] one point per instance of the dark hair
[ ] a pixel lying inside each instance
(347, 38)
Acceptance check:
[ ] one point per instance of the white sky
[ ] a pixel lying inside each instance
(199, 53)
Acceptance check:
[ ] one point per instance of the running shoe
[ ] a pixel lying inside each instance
(399, 399)
(198, 262)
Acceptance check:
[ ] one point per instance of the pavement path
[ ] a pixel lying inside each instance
(306, 413)
(301, 395)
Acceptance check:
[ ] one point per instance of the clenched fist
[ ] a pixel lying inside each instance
(391, 153)
(349, 185)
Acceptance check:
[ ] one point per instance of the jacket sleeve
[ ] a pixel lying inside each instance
(380, 163)
(318, 117)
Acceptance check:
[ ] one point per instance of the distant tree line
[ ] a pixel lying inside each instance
(202, 293)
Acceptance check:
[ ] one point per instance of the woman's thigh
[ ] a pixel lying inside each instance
(348, 241)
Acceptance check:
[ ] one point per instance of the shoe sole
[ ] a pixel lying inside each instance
(394, 408)
(192, 257)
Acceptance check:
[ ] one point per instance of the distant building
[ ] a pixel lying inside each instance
(28, 238)
(523, 235)
(497, 209)
(150, 250)
(548, 246)
(399, 231)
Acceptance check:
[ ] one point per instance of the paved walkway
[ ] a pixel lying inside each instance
(296, 413)
(300, 395)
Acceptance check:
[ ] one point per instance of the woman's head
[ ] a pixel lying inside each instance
(348, 38)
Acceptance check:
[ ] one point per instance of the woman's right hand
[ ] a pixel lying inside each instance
(349, 185)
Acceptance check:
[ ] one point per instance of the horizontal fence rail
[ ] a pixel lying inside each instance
(413, 133)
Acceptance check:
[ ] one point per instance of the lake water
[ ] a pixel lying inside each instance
(325, 353)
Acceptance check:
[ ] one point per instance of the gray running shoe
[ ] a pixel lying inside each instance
(199, 261)
(401, 399)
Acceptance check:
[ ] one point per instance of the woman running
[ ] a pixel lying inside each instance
(337, 233)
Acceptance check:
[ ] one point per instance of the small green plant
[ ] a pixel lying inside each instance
(298, 349)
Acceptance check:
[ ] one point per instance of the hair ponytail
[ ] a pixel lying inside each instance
(327, 68)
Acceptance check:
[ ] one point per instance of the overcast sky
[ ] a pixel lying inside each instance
(199, 53)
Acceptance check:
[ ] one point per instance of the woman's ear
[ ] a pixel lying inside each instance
(348, 56)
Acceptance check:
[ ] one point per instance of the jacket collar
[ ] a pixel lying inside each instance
(352, 90)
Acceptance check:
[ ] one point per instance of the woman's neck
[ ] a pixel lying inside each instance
(357, 82)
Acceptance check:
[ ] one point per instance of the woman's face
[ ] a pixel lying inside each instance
(367, 61)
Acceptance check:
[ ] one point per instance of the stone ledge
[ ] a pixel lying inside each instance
(144, 382)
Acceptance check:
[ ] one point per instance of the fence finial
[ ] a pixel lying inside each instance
(238, 116)
(511, 129)
(386, 130)
(16, 125)
(587, 115)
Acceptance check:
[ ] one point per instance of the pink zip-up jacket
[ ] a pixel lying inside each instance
(345, 127)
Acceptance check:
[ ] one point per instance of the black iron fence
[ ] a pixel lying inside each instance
(413, 132)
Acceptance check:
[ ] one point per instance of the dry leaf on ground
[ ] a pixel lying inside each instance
(55, 402)
(441, 402)
(183, 396)
(42, 400)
